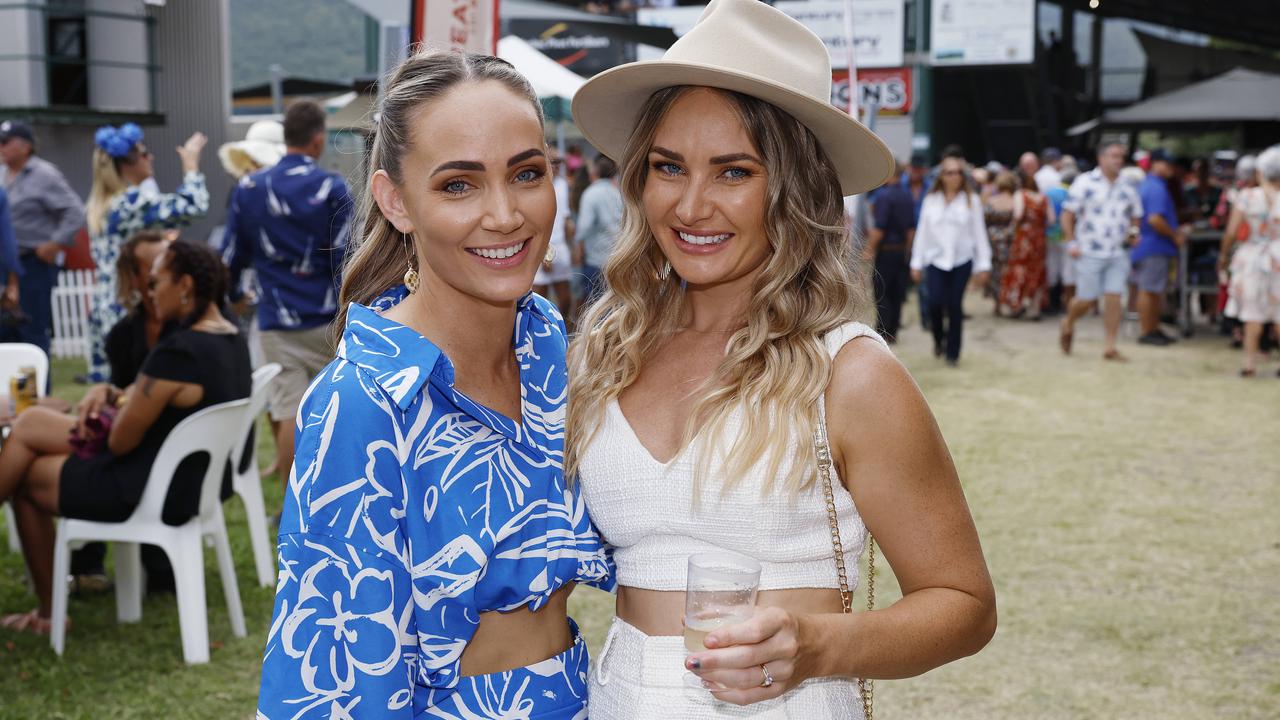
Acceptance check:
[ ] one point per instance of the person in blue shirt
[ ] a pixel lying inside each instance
(889, 248)
(429, 540)
(10, 268)
(289, 223)
(1159, 240)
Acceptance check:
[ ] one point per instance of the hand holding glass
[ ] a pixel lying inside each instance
(721, 591)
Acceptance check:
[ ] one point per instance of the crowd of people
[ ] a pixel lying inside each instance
(444, 435)
(1047, 238)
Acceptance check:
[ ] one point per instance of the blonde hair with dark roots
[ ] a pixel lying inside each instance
(377, 261)
(777, 366)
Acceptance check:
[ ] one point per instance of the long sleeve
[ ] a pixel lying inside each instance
(981, 240)
(61, 201)
(342, 641)
(922, 245)
(170, 210)
(8, 243)
(237, 250)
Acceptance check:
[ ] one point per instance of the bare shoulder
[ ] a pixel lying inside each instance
(866, 375)
(877, 414)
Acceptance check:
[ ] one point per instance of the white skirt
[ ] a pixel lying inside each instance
(641, 677)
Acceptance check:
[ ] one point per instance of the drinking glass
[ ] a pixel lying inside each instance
(721, 591)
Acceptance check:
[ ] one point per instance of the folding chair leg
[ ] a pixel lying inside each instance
(227, 569)
(61, 568)
(187, 558)
(249, 488)
(128, 558)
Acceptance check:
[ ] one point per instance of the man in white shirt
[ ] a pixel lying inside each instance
(1099, 220)
(556, 271)
(1050, 173)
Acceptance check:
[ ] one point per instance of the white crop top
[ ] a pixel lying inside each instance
(644, 510)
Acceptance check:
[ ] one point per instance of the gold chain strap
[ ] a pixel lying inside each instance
(865, 687)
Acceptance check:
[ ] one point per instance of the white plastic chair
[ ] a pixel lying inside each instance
(248, 484)
(213, 430)
(12, 357)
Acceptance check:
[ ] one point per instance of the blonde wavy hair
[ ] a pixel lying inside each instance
(107, 184)
(777, 364)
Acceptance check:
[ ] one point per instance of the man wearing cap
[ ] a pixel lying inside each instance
(290, 224)
(1159, 240)
(46, 215)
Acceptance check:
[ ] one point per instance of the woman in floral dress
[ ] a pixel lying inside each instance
(125, 200)
(1022, 284)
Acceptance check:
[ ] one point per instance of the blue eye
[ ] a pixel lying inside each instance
(667, 168)
(529, 175)
(737, 173)
(455, 187)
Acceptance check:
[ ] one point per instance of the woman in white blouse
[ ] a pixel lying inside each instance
(951, 245)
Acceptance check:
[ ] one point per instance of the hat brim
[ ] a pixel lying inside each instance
(607, 107)
(245, 156)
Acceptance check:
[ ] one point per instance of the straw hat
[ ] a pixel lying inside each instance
(262, 147)
(748, 47)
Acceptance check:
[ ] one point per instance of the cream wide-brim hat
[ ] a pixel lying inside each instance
(262, 147)
(749, 47)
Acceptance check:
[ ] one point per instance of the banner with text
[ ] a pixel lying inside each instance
(877, 28)
(463, 25)
(983, 32)
(888, 88)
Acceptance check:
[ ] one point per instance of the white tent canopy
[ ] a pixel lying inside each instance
(549, 78)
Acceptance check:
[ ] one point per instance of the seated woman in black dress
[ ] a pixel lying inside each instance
(203, 363)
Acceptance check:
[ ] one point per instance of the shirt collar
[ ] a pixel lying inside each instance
(399, 359)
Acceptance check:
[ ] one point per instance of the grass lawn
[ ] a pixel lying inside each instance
(1128, 513)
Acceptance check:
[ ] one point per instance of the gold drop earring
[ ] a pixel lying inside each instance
(411, 279)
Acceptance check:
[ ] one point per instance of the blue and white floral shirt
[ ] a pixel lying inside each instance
(412, 510)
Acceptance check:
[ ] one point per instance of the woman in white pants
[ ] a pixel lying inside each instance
(702, 376)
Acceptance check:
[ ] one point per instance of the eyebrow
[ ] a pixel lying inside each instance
(717, 160)
(474, 166)
(734, 157)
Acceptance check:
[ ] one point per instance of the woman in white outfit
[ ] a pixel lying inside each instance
(703, 376)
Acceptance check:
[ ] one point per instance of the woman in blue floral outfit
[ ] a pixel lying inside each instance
(125, 200)
(429, 541)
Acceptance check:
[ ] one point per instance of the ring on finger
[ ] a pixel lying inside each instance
(768, 677)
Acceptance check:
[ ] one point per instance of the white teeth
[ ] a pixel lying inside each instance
(703, 239)
(498, 253)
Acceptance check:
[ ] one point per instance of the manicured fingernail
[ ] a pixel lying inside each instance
(693, 663)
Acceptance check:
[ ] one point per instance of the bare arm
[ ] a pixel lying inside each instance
(906, 489)
(1229, 237)
(144, 401)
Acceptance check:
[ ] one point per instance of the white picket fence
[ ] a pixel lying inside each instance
(71, 306)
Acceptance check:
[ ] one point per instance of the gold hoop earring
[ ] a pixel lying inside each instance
(411, 279)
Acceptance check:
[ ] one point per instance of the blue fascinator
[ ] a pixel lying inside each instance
(117, 142)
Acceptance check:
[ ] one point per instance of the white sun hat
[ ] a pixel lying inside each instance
(262, 147)
(749, 47)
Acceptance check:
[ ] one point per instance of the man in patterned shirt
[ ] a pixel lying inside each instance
(1099, 219)
(290, 223)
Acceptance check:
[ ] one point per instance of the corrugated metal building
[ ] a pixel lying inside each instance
(69, 66)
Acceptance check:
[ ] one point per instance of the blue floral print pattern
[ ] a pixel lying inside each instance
(412, 509)
(131, 211)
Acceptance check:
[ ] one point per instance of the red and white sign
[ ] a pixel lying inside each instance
(888, 88)
(462, 25)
